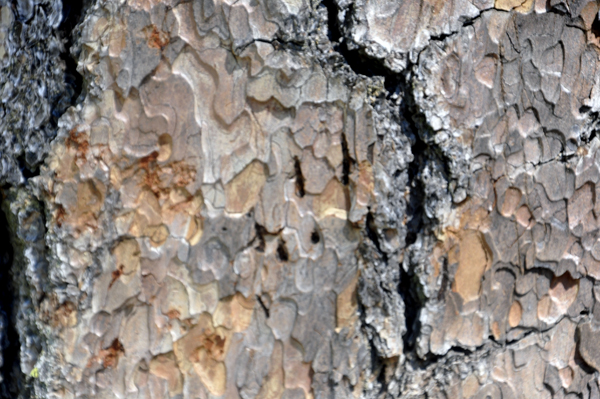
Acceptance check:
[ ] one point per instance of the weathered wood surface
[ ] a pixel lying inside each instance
(286, 199)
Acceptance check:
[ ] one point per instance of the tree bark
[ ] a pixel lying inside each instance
(294, 199)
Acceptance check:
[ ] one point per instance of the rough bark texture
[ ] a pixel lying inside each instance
(291, 199)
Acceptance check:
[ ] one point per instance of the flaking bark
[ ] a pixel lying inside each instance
(292, 199)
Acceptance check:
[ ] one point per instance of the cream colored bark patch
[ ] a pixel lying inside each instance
(347, 305)
(512, 198)
(473, 260)
(127, 257)
(521, 6)
(514, 314)
(203, 349)
(165, 367)
(366, 183)
(563, 292)
(212, 373)
(234, 313)
(272, 386)
(332, 202)
(165, 144)
(242, 191)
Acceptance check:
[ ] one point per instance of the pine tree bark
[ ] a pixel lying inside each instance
(294, 199)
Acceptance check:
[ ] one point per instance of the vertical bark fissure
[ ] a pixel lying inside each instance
(21, 339)
(420, 226)
(426, 154)
(10, 371)
(72, 15)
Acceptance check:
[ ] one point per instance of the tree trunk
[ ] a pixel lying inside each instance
(294, 199)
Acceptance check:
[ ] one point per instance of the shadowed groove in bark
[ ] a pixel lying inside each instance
(10, 370)
(360, 62)
(299, 178)
(373, 236)
(596, 27)
(14, 285)
(417, 192)
(333, 29)
(348, 161)
(27, 171)
(261, 232)
(263, 306)
(314, 237)
(73, 13)
(412, 308)
(425, 154)
(282, 252)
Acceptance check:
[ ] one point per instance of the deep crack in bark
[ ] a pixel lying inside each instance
(12, 382)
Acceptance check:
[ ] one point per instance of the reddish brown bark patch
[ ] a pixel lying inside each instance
(110, 356)
(157, 38)
(78, 141)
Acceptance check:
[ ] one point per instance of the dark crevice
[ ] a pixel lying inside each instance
(592, 136)
(424, 151)
(565, 157)
(443, 36)
(282, 252)
(372, 234)
(334, 32)
(381, 377)
(26, 170)
(314, 237)
(359, 61)
(10, 370)
(376, 365)
(596, 27)
(300, 192)
(14, 383)
(72, 14)
(261, 232)
(424, 155)
(558, 8)
(412, 309)
(263, 306)
(416, 197)
(363, 64)
(347, 161)
(445, 280)
(595, 117)
(261, 239)
(278, 44)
